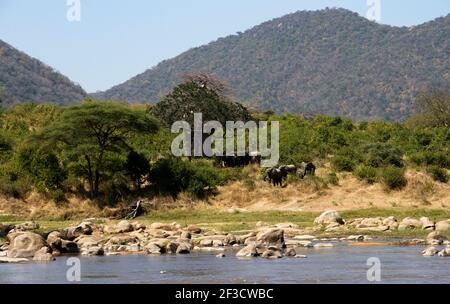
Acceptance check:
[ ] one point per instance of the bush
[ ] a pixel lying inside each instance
(332, 179)
(173, 175)
(393, 178)
(438, 174)
(381, 155)
(430, 158)
(17, 188)
(58, 196)
(366, 173)
(343, 163)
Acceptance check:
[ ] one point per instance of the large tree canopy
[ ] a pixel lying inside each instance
(93, 138)
(199, 93)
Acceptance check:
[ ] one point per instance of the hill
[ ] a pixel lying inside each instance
(25, 79)
(331, 61)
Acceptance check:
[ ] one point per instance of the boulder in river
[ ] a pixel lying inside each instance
(436, 238)
(290, 252)
(183, 248)
(445, 252)
(271, 237)
(24, 244)
(272, 254)
(430, 251)
(329, 217)
(12, 260)
(248, 252)
(43, 255)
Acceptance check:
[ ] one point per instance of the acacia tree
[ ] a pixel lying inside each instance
(93, 137)
(199, 93)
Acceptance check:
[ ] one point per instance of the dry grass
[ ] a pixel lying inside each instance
(253, 194)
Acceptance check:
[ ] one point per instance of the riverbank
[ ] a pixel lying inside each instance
(263, 234)
(236, 220)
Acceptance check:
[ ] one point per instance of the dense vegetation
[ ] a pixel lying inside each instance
(25, 79)
(332, 62)
(110, 151)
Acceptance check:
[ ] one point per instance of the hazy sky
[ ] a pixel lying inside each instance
(116, 40)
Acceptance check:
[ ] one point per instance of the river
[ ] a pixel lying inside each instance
(340, 264)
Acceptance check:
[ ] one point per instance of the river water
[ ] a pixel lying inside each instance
(340, 264)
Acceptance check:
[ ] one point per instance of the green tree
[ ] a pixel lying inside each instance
(199, 93)
(94, 136)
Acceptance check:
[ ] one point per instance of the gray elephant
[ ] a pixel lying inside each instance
(307, 168)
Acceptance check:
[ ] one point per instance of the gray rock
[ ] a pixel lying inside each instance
(43, 255)
(194, 229)
(186, 235)
(436, 238)
(272, 254)
(329, 217)
(206, 243)
(121, 227)
(24, 244)
(183, 248)
(154, 248)
(443, 225)
(27, 226)
(445, 252)
(430, 251)
(290, 252)
(12, 260)
(427, 224)
(409, 224)
(248, 251)
(271, 237)
(93, 251)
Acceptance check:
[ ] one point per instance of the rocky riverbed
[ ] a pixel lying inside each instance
(95, 237)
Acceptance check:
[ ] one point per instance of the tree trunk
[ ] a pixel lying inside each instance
(90, 176)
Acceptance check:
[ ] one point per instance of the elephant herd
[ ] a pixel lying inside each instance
(277, 175)
(239, 161)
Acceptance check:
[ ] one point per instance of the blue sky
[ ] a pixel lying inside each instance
(116, 40)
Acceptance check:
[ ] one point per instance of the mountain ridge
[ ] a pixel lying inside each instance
(27, 79)
(330, 61)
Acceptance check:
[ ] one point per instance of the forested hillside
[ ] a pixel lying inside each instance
(331, 62)
(25, 79)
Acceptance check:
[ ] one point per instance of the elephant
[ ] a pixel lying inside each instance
(307, 168)
(234, 161)
(275, 176)
(290, 169)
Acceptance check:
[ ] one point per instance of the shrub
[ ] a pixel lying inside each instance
(343, 163)
(366, 173)
(58, 196)
(438, 174)
(331, 179)
(431, 158)
(173, 175)
(393, 178)
(381, 155)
